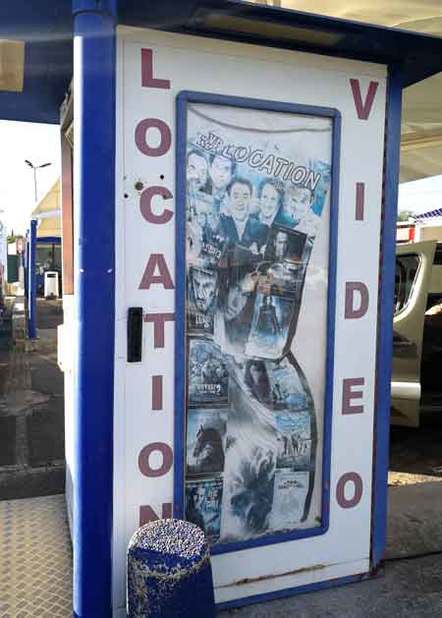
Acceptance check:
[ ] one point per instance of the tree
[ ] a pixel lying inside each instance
(404, 215)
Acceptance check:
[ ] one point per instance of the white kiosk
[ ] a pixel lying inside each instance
(235, 187)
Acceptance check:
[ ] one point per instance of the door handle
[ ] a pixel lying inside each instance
(134, 334)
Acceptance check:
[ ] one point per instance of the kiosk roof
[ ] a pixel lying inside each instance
(46, 29)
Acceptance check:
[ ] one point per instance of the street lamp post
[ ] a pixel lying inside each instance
(35, 168)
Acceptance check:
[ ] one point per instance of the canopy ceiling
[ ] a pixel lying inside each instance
(46, 31)
(421, 147)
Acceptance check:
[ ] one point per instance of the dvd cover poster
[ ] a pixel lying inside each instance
(279, 385)
(270, 324)
(207, 373)
(202, 289)
(289, 499)
(294, 439)
(285, 245)
(289, 388)
(203, 505)
(206, 432)
(204, 243)
(257, 185)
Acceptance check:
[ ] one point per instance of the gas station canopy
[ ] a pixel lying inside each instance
(46, 30)
(421, 143)
(48, 213)
(36, 51)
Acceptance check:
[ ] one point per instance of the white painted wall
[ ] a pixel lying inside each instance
(206, 65)
(65, 358)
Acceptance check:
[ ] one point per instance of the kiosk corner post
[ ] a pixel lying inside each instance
(385, 308)
(32, 281)
(94, 242)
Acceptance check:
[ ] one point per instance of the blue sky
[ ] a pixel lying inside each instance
(40, 144)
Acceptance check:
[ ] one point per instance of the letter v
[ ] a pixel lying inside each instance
(363, 109)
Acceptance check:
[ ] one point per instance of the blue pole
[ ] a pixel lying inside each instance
(94, 246)
(32, 281)
(385, 312)
(26, 266)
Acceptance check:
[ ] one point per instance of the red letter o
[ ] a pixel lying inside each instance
(348, 477)
(141, 137)
(145, 453)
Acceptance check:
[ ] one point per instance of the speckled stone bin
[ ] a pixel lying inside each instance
(169, 573)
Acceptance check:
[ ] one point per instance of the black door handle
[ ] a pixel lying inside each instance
(134, 334)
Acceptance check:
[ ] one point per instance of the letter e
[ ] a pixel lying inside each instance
(348, 394)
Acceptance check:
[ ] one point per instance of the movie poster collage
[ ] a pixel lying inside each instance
(253, 211)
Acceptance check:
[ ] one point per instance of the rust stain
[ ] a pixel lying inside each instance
(252, 580)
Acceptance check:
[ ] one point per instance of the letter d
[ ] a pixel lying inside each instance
(353, 309)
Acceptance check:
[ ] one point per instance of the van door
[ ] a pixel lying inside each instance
(414, 263)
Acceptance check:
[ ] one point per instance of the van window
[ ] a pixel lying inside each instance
(406, 271)
(438, 255)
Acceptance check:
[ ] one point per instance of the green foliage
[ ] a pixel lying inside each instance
(404, 215)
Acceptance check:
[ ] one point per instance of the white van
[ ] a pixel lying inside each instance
(417, 345)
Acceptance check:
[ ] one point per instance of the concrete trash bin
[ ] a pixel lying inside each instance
(169, 573)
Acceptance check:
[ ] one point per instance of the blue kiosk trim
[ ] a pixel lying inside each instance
(94, 225)
(49, 240)
(183, 99)
(385, 315)
(32, 280)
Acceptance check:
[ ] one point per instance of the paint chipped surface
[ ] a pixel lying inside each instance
(253, 580)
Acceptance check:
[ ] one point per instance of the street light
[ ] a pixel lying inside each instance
(35, 168)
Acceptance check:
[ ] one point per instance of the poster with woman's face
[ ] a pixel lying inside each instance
(257, 198)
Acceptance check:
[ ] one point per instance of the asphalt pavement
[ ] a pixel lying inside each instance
(31, 405)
